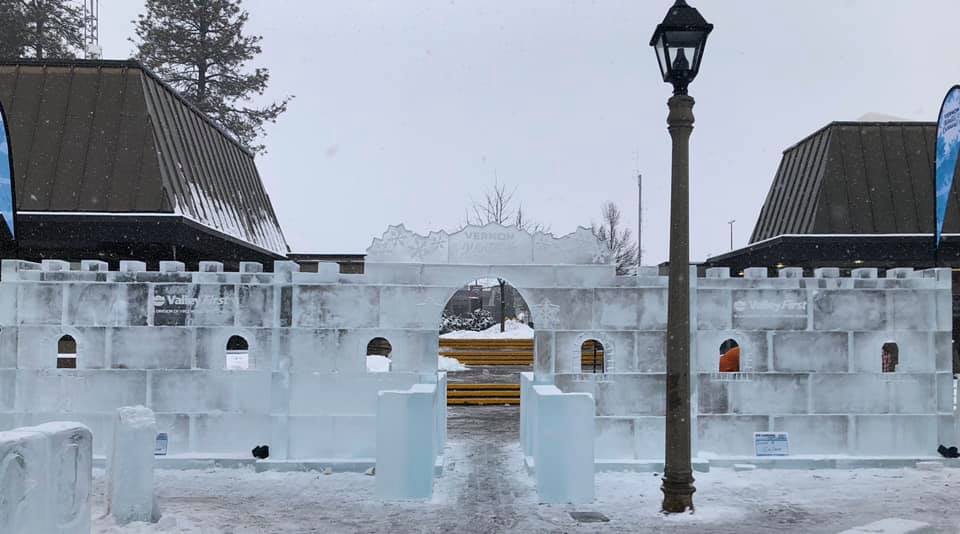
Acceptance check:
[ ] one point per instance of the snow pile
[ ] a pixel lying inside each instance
(478, 320)
(450, 364)
(513, 330)
(378, 364)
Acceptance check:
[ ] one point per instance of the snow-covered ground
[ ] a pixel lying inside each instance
(512, 330)
(485, 489)
(377, 363)
(445, 363)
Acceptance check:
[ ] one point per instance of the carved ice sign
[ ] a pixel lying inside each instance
(490, 244)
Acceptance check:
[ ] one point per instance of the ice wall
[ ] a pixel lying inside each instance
(810, 356)
(159, 339)
(810, 348)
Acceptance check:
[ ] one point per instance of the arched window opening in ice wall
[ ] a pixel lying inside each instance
(67, 353)
(889, 357)
(238, 354)
(730, 356)
(591, 357)
(378, 355)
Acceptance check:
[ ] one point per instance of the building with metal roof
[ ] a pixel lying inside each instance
(853, 194)
(112, 163)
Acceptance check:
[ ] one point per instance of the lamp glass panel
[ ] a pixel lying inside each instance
(662, 57)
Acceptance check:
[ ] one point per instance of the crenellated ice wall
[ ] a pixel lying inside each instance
(159, 339)
(811, 347)
(811, 362)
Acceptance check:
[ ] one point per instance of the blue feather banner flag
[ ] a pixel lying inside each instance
(948, 144)
(7, 197)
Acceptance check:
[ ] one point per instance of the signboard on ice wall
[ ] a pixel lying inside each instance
(771, 443)
(7, 198)
(948, 144)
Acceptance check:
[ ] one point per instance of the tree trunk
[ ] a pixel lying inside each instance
(202, 67)
(38, 42)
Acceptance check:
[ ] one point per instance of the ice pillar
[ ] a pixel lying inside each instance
(130, 471)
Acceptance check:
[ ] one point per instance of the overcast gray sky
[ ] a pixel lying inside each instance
(405, 110)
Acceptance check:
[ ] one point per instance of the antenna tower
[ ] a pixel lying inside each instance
(91, 29)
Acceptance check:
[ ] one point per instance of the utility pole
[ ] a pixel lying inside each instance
(731, 232)
(639, 222)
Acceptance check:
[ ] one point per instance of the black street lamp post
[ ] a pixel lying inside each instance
(679, 42)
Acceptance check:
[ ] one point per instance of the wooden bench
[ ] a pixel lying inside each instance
(482, 394)
(488, 351)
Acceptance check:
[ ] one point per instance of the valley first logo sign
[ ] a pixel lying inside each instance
(765, 307)
(161, 301)
(177, 304)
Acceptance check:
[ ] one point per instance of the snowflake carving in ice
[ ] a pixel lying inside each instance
(423, 247)
(394, 238)
(400, 244)
(546, 314)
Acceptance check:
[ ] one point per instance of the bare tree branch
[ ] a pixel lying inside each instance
(619, 241)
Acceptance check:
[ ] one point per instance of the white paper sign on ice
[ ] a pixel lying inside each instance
(771, 443)
(238, 361)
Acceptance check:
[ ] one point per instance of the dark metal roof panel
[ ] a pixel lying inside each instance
(109, 136)
(800, 169)
(792, 195)
(763, 220)
(879, 182)
(857, 178)
(214, 179)
(105, 125)
(833, 201)
(858, 205)
(902, 187)
(920, 167)
(813, 182)
(47, 110)
(75, 137)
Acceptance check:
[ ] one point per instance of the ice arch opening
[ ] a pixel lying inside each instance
(486, 341)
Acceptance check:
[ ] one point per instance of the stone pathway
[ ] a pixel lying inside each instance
(490, 438)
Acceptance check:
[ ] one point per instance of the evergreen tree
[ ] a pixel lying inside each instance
(199, 48)
(41, 28)
(13, 36)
